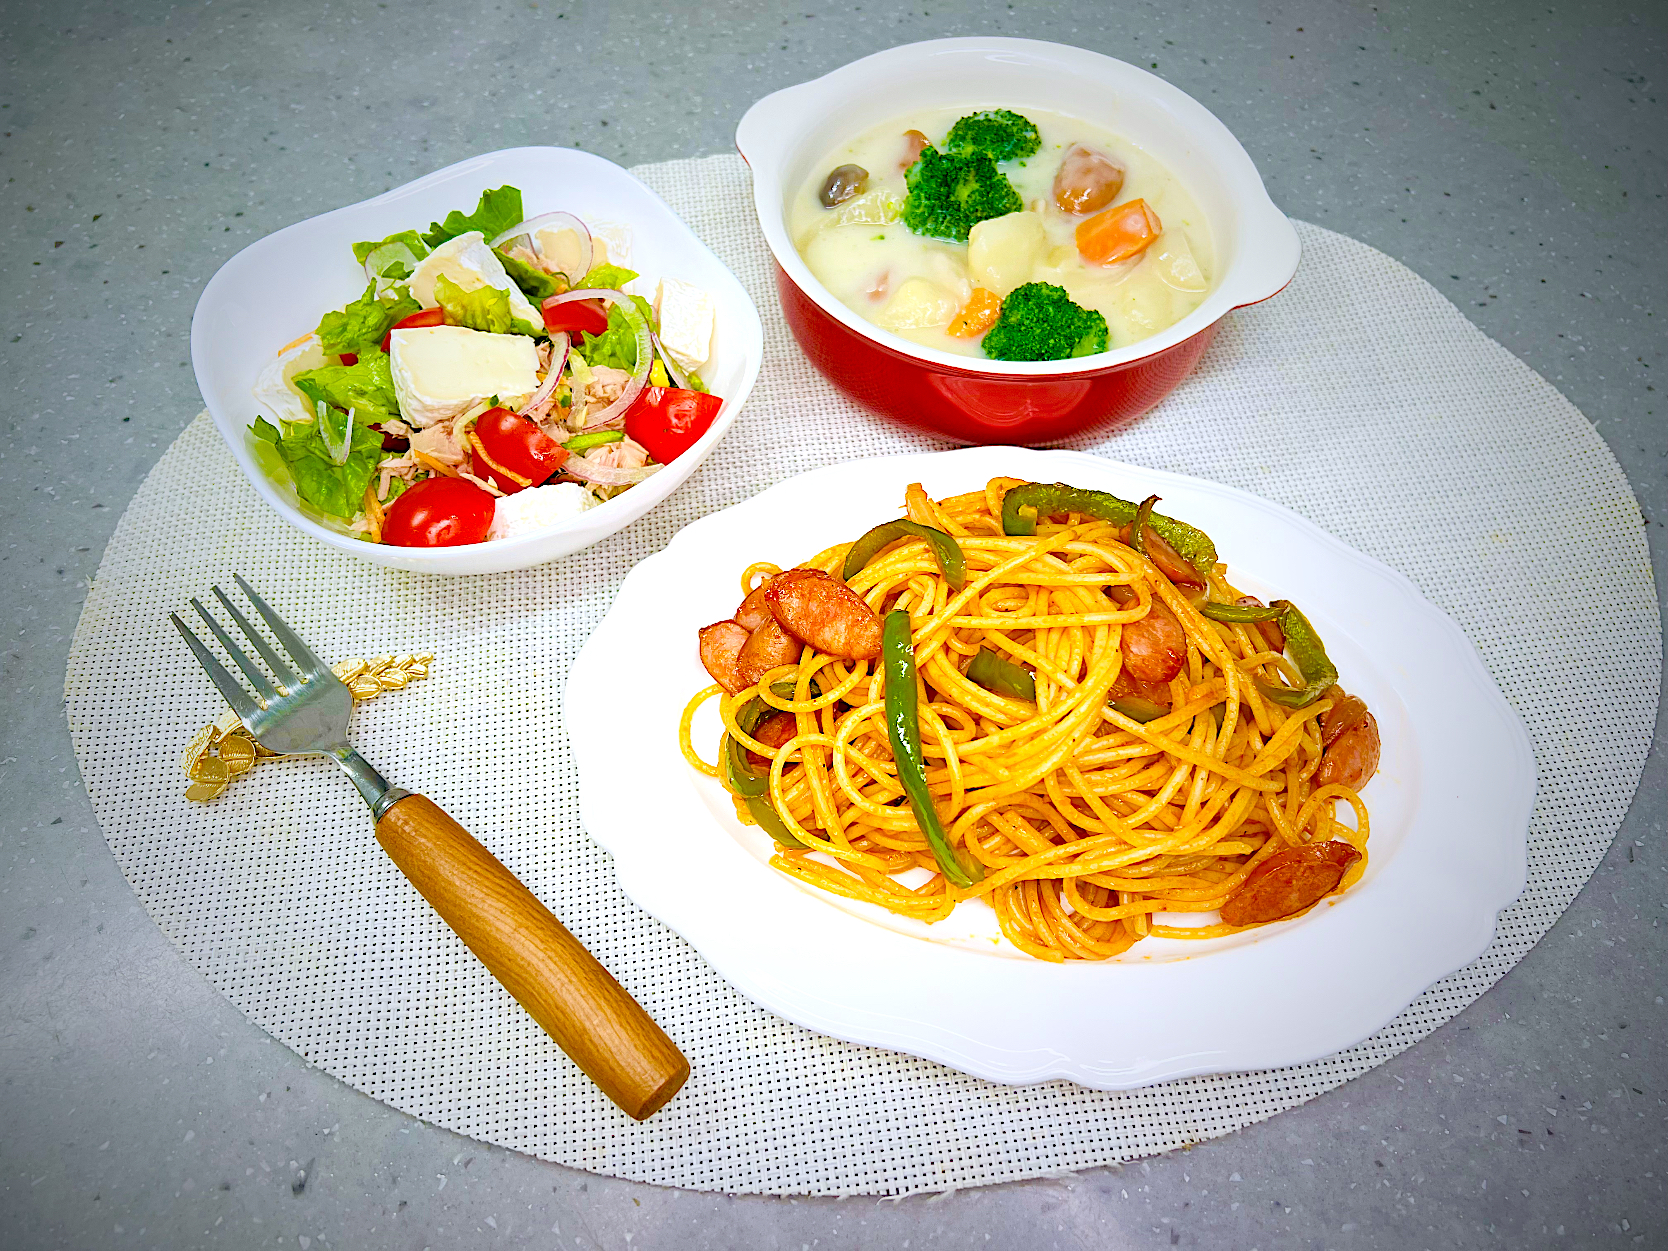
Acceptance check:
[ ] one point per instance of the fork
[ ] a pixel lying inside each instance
(302, 707)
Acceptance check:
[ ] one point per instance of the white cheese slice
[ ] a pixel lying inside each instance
(615, 240)
(278, 398)
(444, 371)
(536, 508)
(686, 320)
(468, 262)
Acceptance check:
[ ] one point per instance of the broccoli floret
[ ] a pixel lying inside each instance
(949, 194)
(1000, 134)
(1039, 322)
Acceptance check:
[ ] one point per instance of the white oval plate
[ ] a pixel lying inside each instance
(278, 287)
(1450, 809)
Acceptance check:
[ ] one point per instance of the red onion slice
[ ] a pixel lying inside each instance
(558, 362)
(607, 475)
(612, 416)
(553, 221)
(672, 371)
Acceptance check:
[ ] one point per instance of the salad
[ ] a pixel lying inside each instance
(495, 377)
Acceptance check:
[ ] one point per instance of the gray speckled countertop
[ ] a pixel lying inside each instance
(1510, 153)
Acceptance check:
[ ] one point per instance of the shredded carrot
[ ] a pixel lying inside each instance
(429, 462)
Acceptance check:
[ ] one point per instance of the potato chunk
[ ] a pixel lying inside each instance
(1004, 252)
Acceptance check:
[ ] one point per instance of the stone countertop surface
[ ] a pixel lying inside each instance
(1510, 153)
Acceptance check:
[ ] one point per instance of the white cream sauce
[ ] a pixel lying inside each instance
(913, 286)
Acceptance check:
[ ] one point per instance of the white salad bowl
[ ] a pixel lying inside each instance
(277, 288)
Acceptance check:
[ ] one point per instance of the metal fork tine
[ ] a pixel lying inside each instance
(303, 656)
(236, 696)
(262, 684)
(274, 661)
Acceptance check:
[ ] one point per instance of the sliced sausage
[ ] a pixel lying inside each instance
(768, 647)
(824, 612)
(721, 644)
(1087, 180)
(1347, 712)
(1352, 759)
(1155, 647)
(755, 609)
(1288, 882)
(773, 731)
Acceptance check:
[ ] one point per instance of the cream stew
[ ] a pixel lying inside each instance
(1097, 216)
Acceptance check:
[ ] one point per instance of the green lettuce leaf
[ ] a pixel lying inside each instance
(496, 213)
(360, 326)
(334, 489)
(616, 347)
(534, 283)
(484, 308)
(410, 238)
(301, 456)
(367, 387)
(615, 276)
(392, 260)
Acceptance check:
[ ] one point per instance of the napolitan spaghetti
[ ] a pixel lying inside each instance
(1049, 698)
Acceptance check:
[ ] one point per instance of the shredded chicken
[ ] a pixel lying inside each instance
(606, 384)
(526, 257)
(397, 428)
(483, 483)
(403, 466)
(438, 442)
(626, 453)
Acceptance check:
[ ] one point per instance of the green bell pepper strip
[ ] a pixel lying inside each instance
(593, 438)
(951, 560)
(903, 728)
(1044, 498)
(1308, 653)
(1243, 613)
(1139, 708)
(739, 775)
(761, 811)
(1143, 519)
(997, 673)
(738, 771)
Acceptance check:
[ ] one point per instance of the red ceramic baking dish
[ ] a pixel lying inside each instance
(973, 400)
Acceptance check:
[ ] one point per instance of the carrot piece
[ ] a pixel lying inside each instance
(977, 315)
(1118, 233)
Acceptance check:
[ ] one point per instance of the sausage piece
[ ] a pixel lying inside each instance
(768, 647)
(755, 609)
(1087, 180)
(824, 612)
(1288, 882)
(1347, 712)
(721, 644)
(1155, 647)
(773, 731)
(1352, 759)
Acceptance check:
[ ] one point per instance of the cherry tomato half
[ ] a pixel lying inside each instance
(514, 443)
(428, 317)
(439, 512)
(668, 420)
(587, 315)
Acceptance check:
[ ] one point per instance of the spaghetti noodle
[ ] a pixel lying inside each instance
(1087, 747)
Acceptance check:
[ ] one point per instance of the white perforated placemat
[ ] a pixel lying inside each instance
(1360, 398)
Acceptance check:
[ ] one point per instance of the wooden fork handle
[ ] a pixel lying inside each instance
(563, 987)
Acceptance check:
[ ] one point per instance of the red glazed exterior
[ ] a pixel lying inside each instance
(972, 407)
